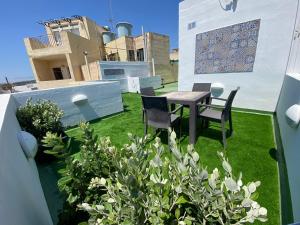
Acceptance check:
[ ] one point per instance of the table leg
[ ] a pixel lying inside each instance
(172, 106)
(192, 123)
(207, 102)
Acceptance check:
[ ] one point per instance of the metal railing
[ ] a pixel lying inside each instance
(46, 41)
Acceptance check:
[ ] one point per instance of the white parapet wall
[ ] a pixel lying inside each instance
(22, 199)
(135, 84)
(80, 103)
(290, 136)
(131, 75)
(260, 88)
(118, 70)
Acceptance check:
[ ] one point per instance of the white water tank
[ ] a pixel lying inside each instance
(108, 36)
(124, 29)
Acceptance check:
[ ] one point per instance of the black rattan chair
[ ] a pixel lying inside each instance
(201, 87)
(147, 91)
(220, 114)
(157, 113)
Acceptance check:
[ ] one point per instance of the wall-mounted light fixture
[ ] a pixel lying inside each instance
(79, 99)
(292, 115)
(28, 144)
(217, 89)
(228, 5)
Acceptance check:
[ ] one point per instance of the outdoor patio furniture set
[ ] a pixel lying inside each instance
(156, 111)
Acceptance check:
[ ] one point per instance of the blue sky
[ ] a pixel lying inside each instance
(18, 20)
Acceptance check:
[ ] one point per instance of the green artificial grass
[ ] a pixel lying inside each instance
(251, 148)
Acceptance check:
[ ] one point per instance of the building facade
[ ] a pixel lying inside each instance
(69, 52)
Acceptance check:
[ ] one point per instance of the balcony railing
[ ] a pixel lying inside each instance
(46, 41)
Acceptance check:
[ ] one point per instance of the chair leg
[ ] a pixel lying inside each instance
(223, 133)
(143, 118)
(230, 124)
(145, 129)
(180, 123)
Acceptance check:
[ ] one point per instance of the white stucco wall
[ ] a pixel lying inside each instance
(22, 199)
(154, 82)
(136, 75)
(259, 89)
(136, 83)
(131, 69)
(290, 95)
(104, 98)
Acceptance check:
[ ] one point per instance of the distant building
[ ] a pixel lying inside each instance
(174, 55)
(59, 58)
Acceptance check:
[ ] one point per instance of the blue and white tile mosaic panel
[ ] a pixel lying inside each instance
(229, 49)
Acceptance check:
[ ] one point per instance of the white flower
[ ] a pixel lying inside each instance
(97, 182)
(255, 205)
(252, 187)
(215, 173)
(240, 183)
(263, 211)
(86, 206)
(111, 200)
(231, 184)
(100, 207)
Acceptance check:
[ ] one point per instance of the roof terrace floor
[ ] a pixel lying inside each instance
(251, 149)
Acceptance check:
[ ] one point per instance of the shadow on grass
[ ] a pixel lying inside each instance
(273, 153)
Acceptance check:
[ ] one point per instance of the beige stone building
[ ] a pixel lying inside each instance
(174, 54)
(154, 49)
(59, 58)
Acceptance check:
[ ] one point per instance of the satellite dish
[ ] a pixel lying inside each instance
(228, 5)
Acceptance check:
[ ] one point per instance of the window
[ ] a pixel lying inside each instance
(75, 31)
(191, 25)
(110, 72)
(113, 57)
(140, 54)
(71, 28)
(57, 38)
(58, 74)
(61, 73)
(131, 55)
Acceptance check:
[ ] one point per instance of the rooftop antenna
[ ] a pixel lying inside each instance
(110, 14)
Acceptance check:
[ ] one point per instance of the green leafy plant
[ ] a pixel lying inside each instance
(154, 186)
(40, 117)
(94, 159)
(57, 146)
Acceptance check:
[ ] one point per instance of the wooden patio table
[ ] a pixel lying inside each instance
(191, 99)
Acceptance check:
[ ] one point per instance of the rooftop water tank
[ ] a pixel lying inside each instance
(124, 29)
(108, 36)
(107, 28)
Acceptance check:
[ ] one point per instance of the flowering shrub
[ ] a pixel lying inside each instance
(149, 185)
(93, 160)
(40, 117)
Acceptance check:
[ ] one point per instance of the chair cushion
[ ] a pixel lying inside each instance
(211, 114)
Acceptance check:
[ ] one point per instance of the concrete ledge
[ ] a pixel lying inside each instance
(103, 98)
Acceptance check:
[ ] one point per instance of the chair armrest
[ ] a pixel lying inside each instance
(212, 106)
(221, 99)
(175, 110)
